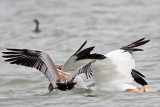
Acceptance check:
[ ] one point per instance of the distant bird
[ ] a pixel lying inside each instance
(37, 25)
(113, 71)
(42, 62)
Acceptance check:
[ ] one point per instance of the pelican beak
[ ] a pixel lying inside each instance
(59, 67)
(63, 75)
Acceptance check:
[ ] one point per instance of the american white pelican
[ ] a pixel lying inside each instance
(114, 71)
(42, 62)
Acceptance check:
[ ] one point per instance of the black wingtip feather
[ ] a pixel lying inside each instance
(9, 52)
(136, 49)
(80, 47)
(138, 73)
(141, 43)
(138, 77)
(138, 40)
(10, 49)
(131, 47)
(10, 56)
(25, 57)
(85, 54)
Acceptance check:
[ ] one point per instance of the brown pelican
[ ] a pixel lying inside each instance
(42, 62)
(114, 71)
(37, 25)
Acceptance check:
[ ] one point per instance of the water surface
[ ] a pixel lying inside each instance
(65, 25)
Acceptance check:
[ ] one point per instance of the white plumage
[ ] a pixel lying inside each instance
(113, 71)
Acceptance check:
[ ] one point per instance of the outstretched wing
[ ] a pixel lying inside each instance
(124, 60)
(83, 69)
(35, 59)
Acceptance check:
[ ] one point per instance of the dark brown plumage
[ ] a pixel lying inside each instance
(37, 26)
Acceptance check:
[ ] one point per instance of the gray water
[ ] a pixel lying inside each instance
(65, 25)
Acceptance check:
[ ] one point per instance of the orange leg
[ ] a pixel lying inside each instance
(130, 89)
(144, 89)
(149, 90)
(139, 88)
